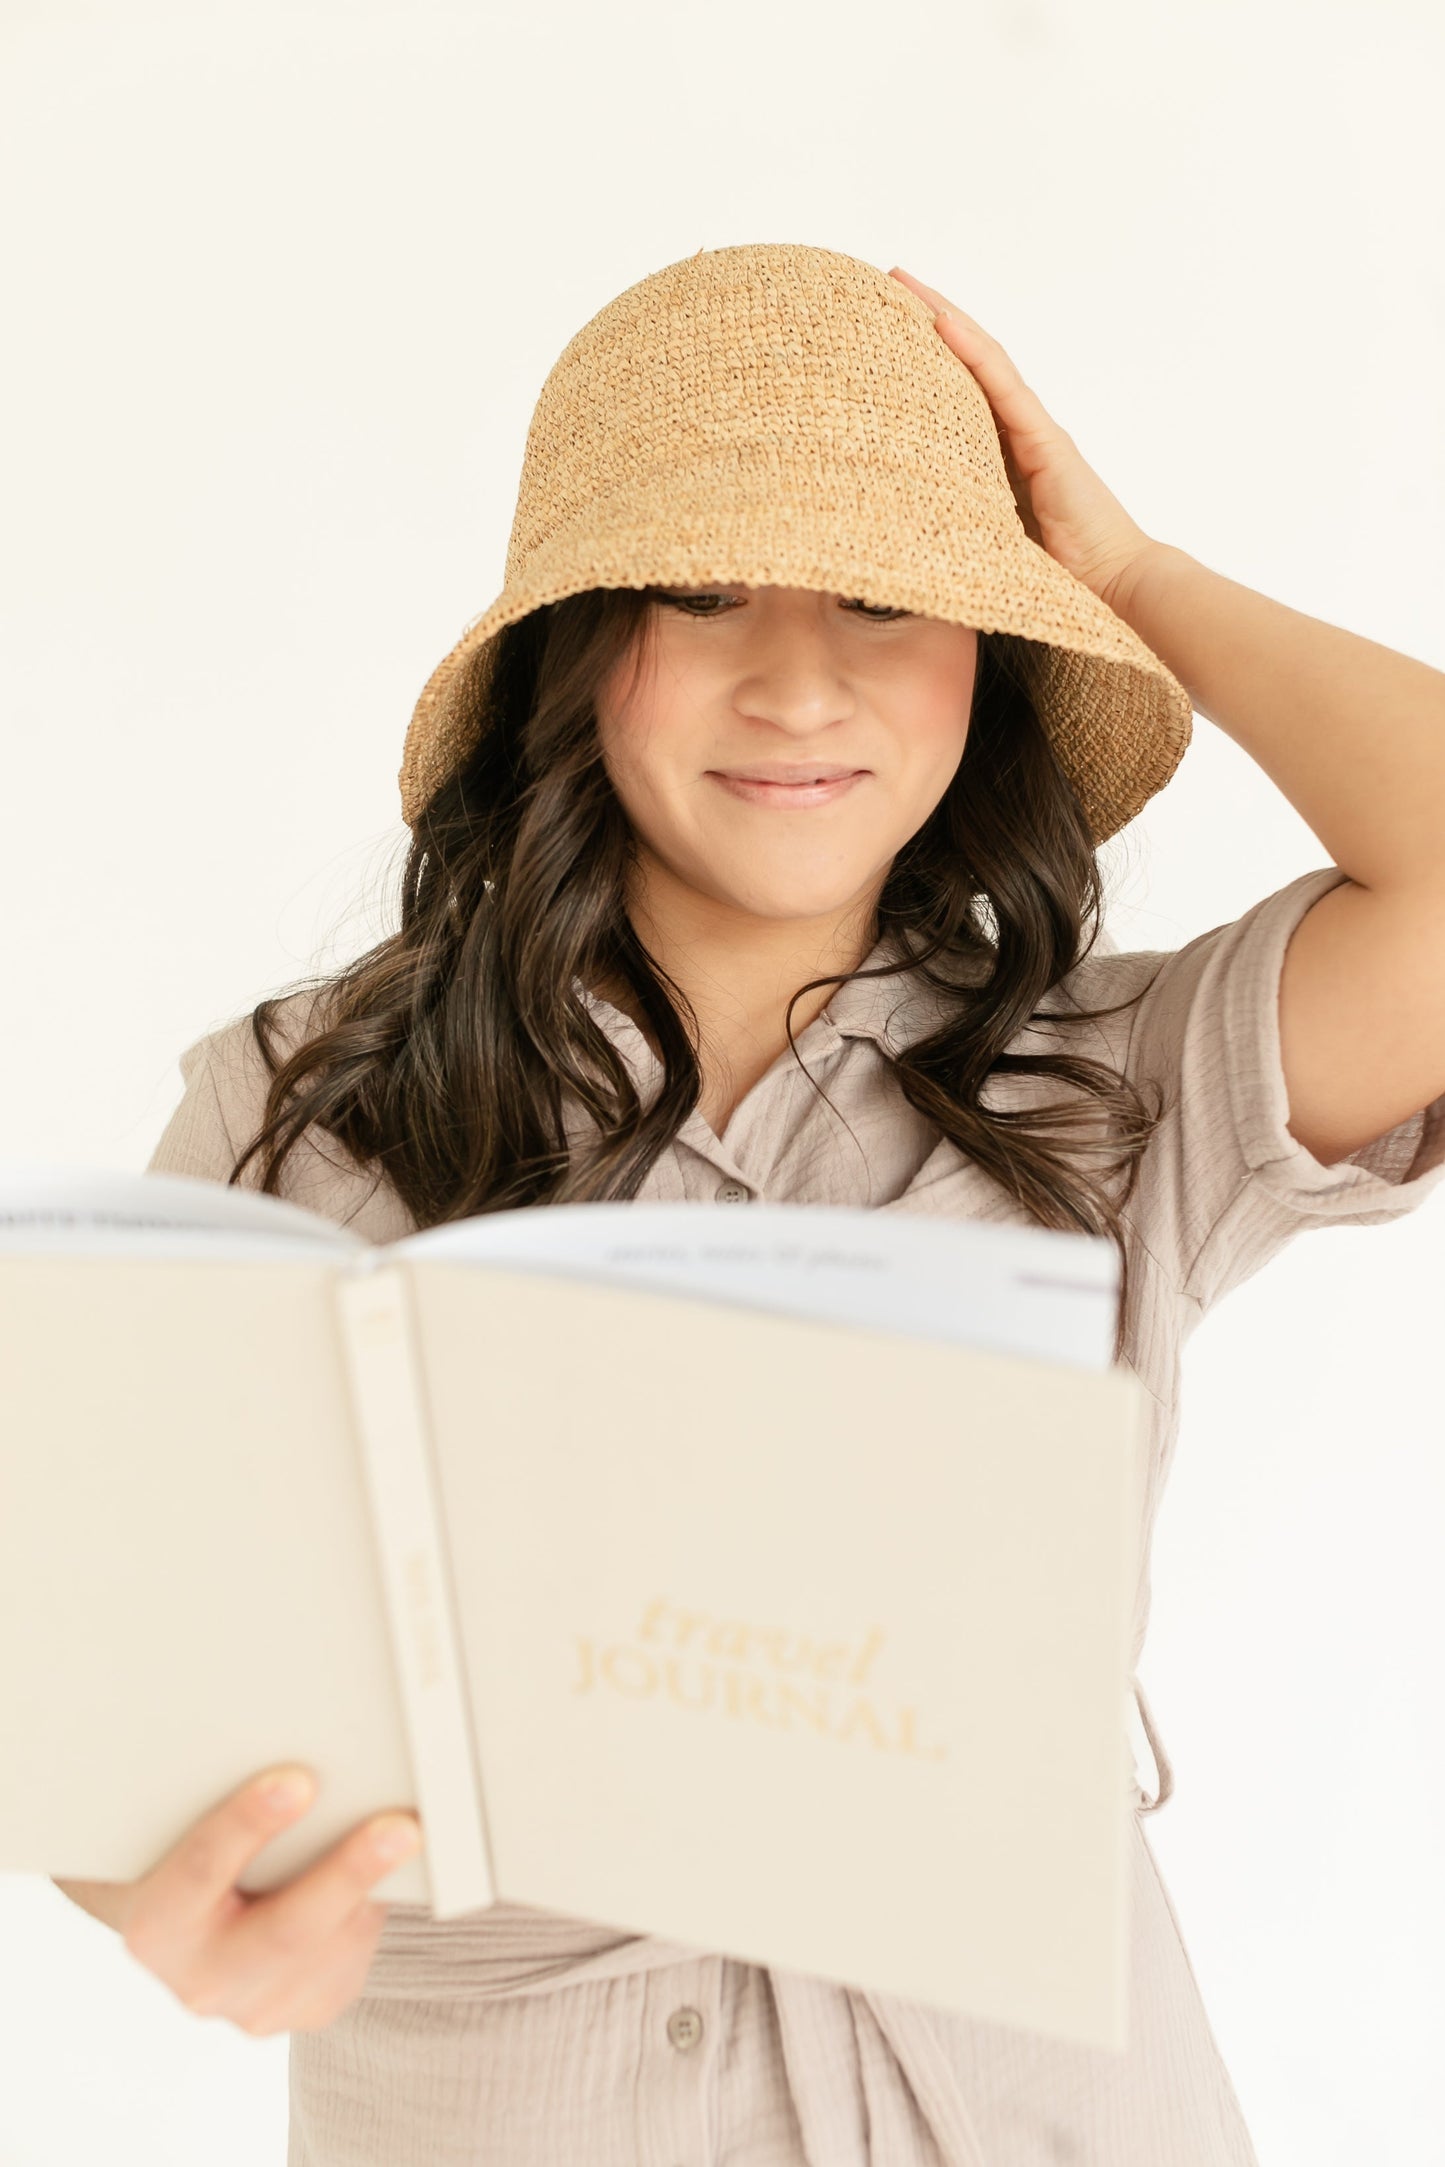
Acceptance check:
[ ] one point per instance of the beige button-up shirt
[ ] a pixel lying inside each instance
(520, 2038)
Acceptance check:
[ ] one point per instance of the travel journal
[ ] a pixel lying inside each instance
(758, 1578)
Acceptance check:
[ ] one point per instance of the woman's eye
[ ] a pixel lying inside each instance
(694, 605)
(689, 603)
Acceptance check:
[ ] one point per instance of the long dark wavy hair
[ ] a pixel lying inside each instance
(443, 1055)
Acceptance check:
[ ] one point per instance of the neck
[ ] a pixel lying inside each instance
(739, 972)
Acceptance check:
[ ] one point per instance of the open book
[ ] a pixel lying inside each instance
(759, 1579)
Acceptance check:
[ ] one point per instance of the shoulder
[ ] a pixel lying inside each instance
(228, 1064)
(1105, 979)
(232, 1051)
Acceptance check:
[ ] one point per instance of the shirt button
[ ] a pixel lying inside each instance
(684, 2028)
(731, 1192)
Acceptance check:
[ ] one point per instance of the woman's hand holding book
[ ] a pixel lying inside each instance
(289, 1960)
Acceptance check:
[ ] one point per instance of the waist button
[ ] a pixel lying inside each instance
(684, 2029)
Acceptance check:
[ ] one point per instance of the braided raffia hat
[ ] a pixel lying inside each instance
(777, 415)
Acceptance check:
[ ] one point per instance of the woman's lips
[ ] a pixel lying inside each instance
(791, 796)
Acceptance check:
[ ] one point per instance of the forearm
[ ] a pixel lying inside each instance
(1352, 732)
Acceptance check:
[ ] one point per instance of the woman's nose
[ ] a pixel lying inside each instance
(795, 679)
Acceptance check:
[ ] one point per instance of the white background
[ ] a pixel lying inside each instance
(282, 284)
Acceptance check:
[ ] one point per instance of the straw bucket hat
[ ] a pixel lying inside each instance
(777, 415)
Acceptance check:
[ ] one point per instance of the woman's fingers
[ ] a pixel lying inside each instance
(1062, 503)
(1018, 407)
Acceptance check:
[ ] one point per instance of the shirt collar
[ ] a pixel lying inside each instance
(894, 1010)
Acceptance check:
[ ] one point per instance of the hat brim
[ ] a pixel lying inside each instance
(1118, 720)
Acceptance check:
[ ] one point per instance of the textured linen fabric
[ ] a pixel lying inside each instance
(515, 2037)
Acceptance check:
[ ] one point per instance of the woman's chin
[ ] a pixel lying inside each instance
(785, 905)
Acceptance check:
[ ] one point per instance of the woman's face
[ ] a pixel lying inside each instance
(783, 683)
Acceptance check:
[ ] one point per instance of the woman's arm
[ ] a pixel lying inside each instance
(1354, 735)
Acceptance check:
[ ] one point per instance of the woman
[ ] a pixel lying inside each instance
(754, 844)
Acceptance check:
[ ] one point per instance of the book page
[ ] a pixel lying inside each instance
(1021, 1290)
(48, 1210)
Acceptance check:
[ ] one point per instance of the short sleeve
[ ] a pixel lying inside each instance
(1222, 1184)
(226, 1082)
(222, 1109)
(197, 1139)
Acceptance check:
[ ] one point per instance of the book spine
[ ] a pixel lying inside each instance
(388, 1395)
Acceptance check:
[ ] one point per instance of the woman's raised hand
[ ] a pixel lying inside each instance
(1062, 502)
(289, 1960)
